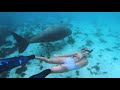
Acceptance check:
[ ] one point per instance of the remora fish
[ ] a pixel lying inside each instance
(50, 34)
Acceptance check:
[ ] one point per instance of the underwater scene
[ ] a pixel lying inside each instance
(61, 44)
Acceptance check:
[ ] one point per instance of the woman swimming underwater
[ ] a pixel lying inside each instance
(65, 63)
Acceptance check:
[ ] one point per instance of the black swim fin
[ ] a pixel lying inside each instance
(22, 43)
(42, 74)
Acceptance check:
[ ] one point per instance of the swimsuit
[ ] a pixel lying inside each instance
(70, 63)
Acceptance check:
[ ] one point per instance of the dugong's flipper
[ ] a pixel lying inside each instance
(22, 43)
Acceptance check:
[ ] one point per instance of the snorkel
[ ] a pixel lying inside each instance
(84, 50)
(90, 51)
(88, 55)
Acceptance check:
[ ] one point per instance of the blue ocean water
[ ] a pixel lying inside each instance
(99, 31)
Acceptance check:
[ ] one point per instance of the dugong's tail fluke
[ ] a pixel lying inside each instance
(21, 42)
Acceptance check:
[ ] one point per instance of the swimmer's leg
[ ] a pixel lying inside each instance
(57, 69)
(52, 60)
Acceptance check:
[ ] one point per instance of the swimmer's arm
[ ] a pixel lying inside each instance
(82, 63)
